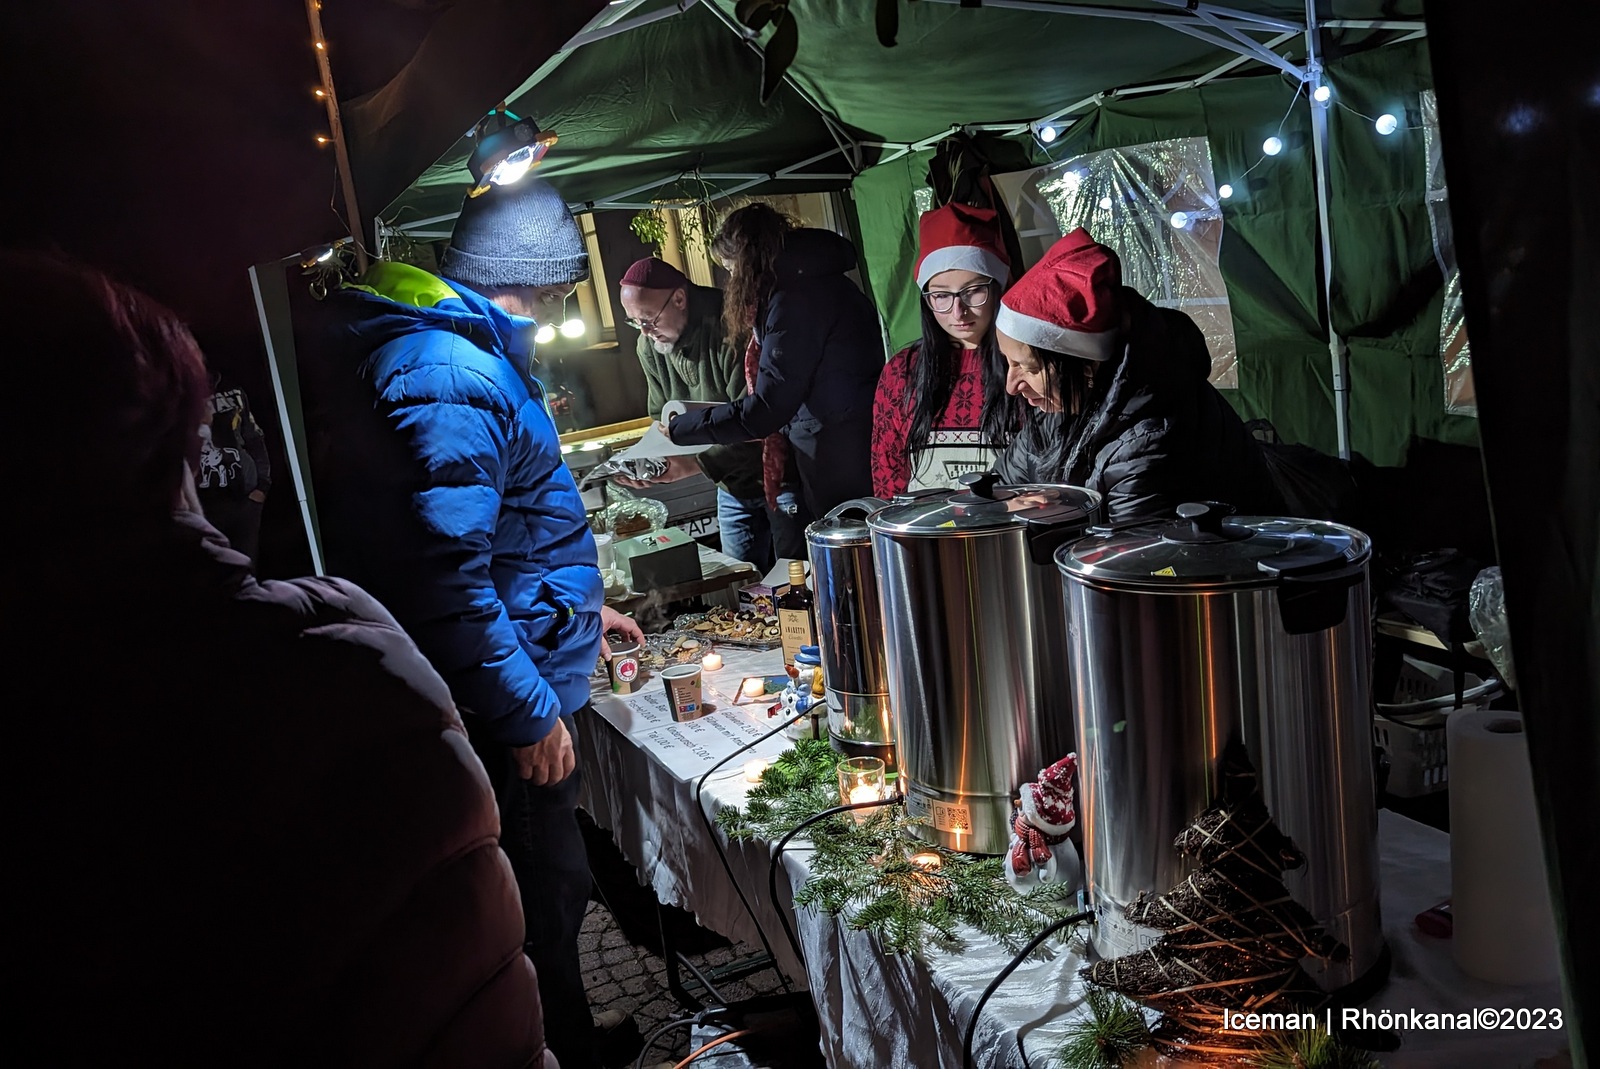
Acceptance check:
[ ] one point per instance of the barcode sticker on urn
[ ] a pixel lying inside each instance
(947, 816)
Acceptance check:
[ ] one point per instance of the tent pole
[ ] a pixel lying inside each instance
(1337, 350)
(341, 149)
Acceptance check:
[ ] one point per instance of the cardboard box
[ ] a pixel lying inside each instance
(659, 559)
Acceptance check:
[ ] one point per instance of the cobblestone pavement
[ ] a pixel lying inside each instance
(632, 979)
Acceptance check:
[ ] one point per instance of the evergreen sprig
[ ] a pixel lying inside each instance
(863, 869)
(1310, 1049)
(1113, 1033)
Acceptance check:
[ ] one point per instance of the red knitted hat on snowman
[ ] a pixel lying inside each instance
(1069, 302)
(958, 237)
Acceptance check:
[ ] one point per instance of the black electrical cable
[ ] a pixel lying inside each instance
(722, 856)
(777, 857)
(1011, 967)
(650, 1041)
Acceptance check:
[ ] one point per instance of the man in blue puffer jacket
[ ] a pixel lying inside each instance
(441, 489)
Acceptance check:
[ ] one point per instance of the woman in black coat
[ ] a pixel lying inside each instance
(1118, 391)
(812, 364)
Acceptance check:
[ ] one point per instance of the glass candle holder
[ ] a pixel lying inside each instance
(862, 779)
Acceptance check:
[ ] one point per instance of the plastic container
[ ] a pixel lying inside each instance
(1411, 729)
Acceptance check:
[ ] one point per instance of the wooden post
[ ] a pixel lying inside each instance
(347, 180)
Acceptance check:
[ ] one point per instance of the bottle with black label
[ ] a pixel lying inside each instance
(797, 620)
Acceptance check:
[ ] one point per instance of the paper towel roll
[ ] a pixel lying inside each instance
(1500, 897)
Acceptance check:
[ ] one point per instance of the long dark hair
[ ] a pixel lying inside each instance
(933, 381)
(1080, 387)
(747, 244)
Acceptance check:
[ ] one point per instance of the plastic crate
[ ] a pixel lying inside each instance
(1411, 728)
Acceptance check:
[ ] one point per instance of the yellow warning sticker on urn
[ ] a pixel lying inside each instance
(1168, 571)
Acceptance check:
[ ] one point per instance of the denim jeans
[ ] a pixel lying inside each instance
(750, 531)
(540, 835)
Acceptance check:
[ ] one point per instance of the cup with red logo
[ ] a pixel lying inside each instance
(623, 668)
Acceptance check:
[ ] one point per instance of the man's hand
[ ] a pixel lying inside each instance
(548, 761)
(612, 620)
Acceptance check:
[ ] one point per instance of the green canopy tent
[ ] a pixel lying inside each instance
(661, 99)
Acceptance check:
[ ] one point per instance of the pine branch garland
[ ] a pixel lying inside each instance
(1114, 1032)
(1312, 1049)
(863, 869)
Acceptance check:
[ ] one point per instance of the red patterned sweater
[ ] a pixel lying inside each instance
(954, 447)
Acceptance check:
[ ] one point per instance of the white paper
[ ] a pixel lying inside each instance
(655, 444)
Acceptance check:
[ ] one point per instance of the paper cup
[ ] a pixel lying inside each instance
(606, 557)
(683, 691)
(624, 669)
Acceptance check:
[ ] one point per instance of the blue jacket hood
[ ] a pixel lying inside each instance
(393, 300)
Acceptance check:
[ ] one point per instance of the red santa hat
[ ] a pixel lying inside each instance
(1069, 302)
(958, 237)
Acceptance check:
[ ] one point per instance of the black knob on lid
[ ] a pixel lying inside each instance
(981, 483)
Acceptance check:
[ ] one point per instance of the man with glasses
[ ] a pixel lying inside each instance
(685, 355)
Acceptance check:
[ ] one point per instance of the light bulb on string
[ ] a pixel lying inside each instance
(544, 335)
(572, 328)
(323, 139)
(321, 47)
(1224, 191)
(1322, 94)
(1272, 146)
(1105, 203)
(1386, 124)
(1047, 133)
(320, 93)
(1179, 220)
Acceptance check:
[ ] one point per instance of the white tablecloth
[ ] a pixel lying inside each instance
(882, 1010)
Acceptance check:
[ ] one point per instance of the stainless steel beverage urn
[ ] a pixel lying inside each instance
(850, 631)
(975, 631)
(1192, 634)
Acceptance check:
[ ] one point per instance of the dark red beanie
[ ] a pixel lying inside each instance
(652, 273)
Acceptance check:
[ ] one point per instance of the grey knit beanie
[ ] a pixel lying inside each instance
(516, 235)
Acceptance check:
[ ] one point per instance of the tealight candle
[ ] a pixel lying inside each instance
(711, 662)
(753, 770)
(861, 779)
(927, 861)
(753, 687)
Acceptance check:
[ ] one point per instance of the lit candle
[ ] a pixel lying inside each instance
(927, 861)
(753, 770)
(711, 662)
(753, 687)
(865, 793)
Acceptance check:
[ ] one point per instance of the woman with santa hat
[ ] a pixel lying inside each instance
(1119, 393)
(939, 411)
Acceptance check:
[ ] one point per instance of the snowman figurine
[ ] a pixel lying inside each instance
(1041, 850)
(801, 695)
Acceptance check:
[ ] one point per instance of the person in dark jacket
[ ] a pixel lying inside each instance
(685, 355)
(256, 834)
(813, 360)
(1119, 394)
(441, 488)
(235, 468)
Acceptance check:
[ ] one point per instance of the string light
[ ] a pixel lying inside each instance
(1105, 203)
(1179, 220)
(1386, 124)
(321, 47)
(323, 139)
(1224, 191)
(1272, 145)
(1322, 94)
(320, 93)
(1047, 133)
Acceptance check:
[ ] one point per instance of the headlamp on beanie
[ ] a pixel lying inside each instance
(505, 148)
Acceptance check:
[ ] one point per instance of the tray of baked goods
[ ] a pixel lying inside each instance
(725, 627)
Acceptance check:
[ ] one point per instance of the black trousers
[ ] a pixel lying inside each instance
(539, 833)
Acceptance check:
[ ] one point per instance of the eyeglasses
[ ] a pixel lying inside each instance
(971, 297)
(642, 325)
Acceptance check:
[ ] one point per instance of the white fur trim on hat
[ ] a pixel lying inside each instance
(1043, 334)
(972, 258)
